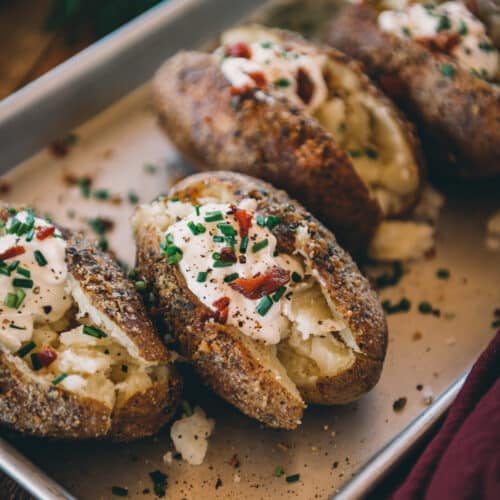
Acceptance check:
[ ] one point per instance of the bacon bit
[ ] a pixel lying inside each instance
(244, 220)
(12, 252)
(222, 306)
(45, 232)
(239, 91)
(443, 42)
(261, 284)
(46, 357)
(392, 85)
(305, 86)
(238, 49)
(259, 78)
(227, 255)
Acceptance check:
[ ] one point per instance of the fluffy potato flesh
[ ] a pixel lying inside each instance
(362, 123)
(315, 340)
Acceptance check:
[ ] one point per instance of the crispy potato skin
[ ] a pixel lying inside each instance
(458, 118)
(270, 140)
(41, 409)
(219, 351)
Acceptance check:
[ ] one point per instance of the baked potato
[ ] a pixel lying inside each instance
(79, 357)
(270, 104)
(269, 309)
(440, 67)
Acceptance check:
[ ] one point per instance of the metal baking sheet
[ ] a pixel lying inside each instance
(337, 449)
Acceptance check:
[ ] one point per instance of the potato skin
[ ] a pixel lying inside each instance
(219, 351)
(34, 407)
(270, 140)
(458, 118)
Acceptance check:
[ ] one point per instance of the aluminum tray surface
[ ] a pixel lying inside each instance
(116, 149)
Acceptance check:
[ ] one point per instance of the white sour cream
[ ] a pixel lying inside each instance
(46, 300)
(197, 257)
(474, 51)
(281, 67)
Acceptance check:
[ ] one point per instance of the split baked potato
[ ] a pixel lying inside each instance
(269, 309)
(79, 357)
(270, 104)
(446, 81)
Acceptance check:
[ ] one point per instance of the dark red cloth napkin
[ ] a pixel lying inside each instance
(463, 460)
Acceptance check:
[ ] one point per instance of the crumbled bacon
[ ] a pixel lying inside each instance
(305, 86)
(238, 49)
(259, 78)
(227, 255)
(244, 220)
(45, 232)
(239, 91)
(261, 284)
(443, 42)
(222, 309)
(13, 251)
(46, 356)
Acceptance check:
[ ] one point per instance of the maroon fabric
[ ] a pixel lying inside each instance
(463, 459)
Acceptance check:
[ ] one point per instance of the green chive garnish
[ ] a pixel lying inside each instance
(216, 256)
(15, 327)
(443, 274)
(59, 378)
(25, 349)
(256, 247)
(278, 471)
(40, 259)
(293, 478)
(4, 270)
(22, 283)
(220, 263)
(13, 265)
(226, 229)
(448, 70)
(296, 277)
(132, 197)
(101, 194)
(24, 272)
(486, 46)
(93, 332)
(444, 24)
(20, 295)
(202, 277)
(244, 244)
(197, 209)
(12, 211)
(355, 153)
(35, 362)
(264, 305)
(282, 82)
(261, 220)
(214, 216)
(462, 30)
(218, 239)
(266, 45)
(30, 234)
(231, 277)
(176, 257)
(140, 285)
(406, 31)
(196, 228)
(279, 293)
(371, 153)
(272, 221)
(119, 491)
(186, 408)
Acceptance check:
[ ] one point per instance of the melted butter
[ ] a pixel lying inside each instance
(46, 301)
(280, 67)
(197, 258)
(475, 51)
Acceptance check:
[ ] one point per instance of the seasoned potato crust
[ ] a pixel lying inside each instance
(458, 116)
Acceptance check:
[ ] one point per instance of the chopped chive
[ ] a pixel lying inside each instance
(231, 277)
(216, 256)
(186, 408)
(296, 277)
(176, 257)
(443, 274)
(15, 327)
(40, 259)
(256, 247)
(272, 221)
(124, 368)
(140, 285)
(25, 349)
(226, 229)
(202, 277)
(244, 244)
(278, 471)
(266, 45)
(132, 197)
(425, 307)
(264, 305)
(293, 478)
(101, 194)
(282, 82)
(197, 209)
(22, 283)
(30, 234)
(214, 216)
(175, 199)
(462, 29)
(486, 46)
(196, 228)
(448, 70)
(20, 295)
(24, 272)
(406, 31)
(261, 220)
(10, 300)
(150, 168)
(371, 153)
(220, 263)
(13, 265)
(279, 293)
(169, 238)
(355, 153)
(35, 361)
(93, 332)
(443, 24)
(59, 378)
(84, 185)
(4, 270)
(119, 491)
(218, 239)
(12, 211)
(98, 225)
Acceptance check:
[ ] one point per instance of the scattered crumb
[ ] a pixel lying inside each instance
(399, 404)
(492, 240)
(451, 341)
(4, 187)
(168, 457)
(416, 336)
(218, 483)
(236, 478)
(427, 396)
(419, 387)
(190, 436)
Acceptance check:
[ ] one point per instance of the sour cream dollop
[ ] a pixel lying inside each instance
(297, 74)
(473, 49)
(33, 275)
(259, 317)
